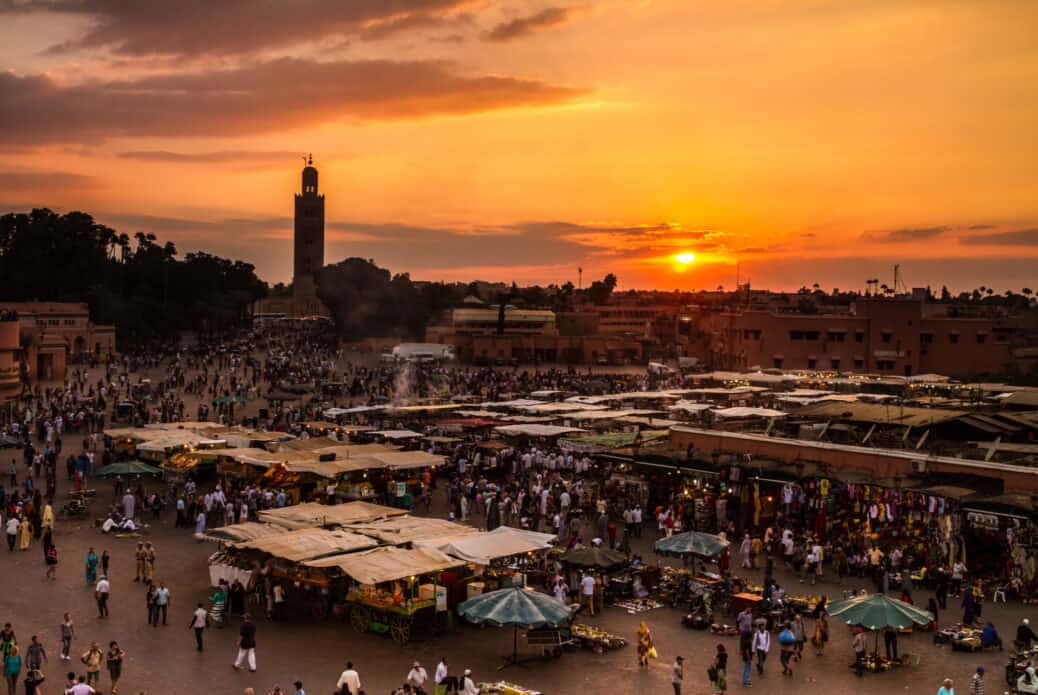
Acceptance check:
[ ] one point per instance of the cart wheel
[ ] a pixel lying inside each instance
(400, 629)
(359, 618)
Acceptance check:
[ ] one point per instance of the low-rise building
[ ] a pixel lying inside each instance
(53, 334)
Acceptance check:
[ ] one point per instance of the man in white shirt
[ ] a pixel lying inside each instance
(199, 620)
(587, 592)
(349, 681)
(441, 678)
(761, 645)
(101, 591)
(417, 677)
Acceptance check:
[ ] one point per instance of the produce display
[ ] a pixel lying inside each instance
(591, 636)
(638, 605)
(503, 688)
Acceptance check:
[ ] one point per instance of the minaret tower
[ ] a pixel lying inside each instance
(309, 244)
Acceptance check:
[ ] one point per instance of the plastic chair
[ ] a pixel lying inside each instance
(1000, 591)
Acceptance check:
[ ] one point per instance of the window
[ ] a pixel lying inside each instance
(835, 336)
(859, 364)
(859, 336)
(777, 362)
(884, 364)
(926, 338)
(982, 338)
(751, 333)
(834, 363)
(953, 338)
(812, 363)
(804, 335)
(886, 336)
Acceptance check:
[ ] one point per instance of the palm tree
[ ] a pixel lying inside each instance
(1026, 291)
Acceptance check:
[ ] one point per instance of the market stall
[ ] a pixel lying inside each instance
(517, 608)
(389, 596)
(878, 612)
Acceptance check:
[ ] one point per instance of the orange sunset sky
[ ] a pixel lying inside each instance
(806, 140)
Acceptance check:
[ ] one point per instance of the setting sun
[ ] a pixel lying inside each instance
(685, 258)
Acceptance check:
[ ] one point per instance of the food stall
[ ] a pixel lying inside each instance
(390, 596)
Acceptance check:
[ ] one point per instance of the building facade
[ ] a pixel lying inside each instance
(900, 336)
(54, 334)
(10, 350)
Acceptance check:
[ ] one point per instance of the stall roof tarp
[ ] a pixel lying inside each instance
(734, 391)
(562, 407)
(314, 514)
(748, 412)
(691, 406)
(397, 434)
(610, 440)
(398, 459)
(389, 564)
(532, 430)
(408, 529)
(250, 530)
(881, 414)
(309, 544)
(481, 548)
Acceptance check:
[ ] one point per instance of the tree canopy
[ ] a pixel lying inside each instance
(135, 283)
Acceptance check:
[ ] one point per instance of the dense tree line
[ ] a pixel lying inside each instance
(136, 283)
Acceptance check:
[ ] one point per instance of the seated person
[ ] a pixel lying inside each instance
(989, 637)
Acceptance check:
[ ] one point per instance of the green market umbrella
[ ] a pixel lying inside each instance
(691, 543)
(878, 611)
(516, 607)
(602, 558)
(127, 468)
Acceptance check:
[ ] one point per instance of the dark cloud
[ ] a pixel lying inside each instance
(980, 227)
(385, 29)
(904, 234)
(1020, 237)
(524, 26)
(265, 97)
(752, 250)
(44, 181)
(225, 27)
(219, 157)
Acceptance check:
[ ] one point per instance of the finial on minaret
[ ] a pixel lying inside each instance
(310, 159)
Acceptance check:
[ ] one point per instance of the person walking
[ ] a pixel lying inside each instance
(677, 673)
(91, 563)
(68, 631)
(12, 532)
(114, 661)
(977, 682)
(587, 592)
(417, 678)
(468, 686)
(787, 649)
(246, 644)
(35, 654)
(821, 635)
(746, 652)
(349, 681)
(24, 533)
(92, 658)
(947, 687)
(33, 679)
(161, 603)
(645, 645)
(720, 666)
(149, 561)
(858, 645)
(12, 668)
(199, 622)
(139, 559)
(51, 560)
(149, 602)
(761, 646)
(101, 593)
